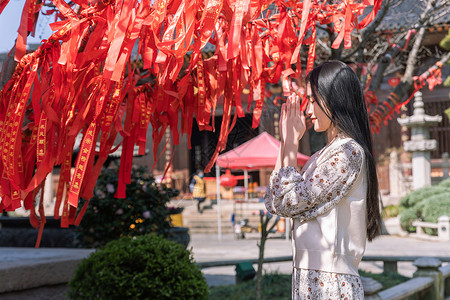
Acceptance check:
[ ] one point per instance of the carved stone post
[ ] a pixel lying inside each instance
(420, 144)
(429, 267)
(444, 228)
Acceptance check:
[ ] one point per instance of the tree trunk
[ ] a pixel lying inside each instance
(261, 254)
(264, 219)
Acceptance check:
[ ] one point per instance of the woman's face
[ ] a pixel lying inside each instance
(318, 117)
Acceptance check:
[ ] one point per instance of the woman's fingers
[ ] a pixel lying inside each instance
(293, 107)
(294, 103)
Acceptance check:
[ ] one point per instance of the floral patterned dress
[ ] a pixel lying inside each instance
(306, 195)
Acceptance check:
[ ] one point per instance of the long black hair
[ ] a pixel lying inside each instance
(335, 86)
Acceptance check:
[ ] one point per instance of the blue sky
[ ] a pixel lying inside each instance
(9, 23)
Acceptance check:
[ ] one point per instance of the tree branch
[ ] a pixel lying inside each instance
(412, 57)
(368, 31)
(396, 98)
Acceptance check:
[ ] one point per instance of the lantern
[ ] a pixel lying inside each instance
(228, 180)
(394, 81)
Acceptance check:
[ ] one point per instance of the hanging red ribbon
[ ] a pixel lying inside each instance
(81, 85)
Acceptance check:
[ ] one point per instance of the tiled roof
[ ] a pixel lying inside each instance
(406, 14)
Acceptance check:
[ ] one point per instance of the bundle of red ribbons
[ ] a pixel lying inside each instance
(384, 111)
(81, 80)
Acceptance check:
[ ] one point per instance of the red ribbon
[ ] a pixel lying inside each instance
(81, 81)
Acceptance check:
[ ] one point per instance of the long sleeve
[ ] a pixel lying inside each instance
(314, 191)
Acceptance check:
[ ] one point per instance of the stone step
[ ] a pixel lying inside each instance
(27, 268)
(206, 222)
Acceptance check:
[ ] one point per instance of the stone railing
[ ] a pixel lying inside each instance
(442, 226)
(431, 281)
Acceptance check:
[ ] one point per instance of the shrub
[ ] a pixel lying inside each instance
(143, 267)
(425, 204)
(445, 183)
(417, 196)
(434, 207)
(390, 211)
(407, 217)
(143, 211)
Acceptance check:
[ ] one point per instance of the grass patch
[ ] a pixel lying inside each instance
(279, 286)
(387, 280)
(274, 286)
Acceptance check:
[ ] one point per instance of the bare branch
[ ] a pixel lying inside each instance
(369, 30)
(412, 57)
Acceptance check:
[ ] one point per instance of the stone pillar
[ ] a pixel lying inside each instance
(394, 175)
(420, 144)
(444, 228)
(429, 267)
(445, 165)
(421, 169)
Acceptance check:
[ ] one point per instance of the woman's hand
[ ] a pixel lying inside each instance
(292, 120)
(282, 122)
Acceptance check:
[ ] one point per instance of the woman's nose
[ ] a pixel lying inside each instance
(309, 109)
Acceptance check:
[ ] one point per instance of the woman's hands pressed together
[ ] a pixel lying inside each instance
(292, 126)
(292, 121)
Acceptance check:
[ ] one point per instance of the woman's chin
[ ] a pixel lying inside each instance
(318, 129)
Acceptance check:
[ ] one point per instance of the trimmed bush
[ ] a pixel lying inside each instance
(407, 217)
(417, 196)
(143, 211)
(143, 267)
(426, 204)
(435, 207)
(445, 183)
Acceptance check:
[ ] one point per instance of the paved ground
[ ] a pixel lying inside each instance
(207, 247)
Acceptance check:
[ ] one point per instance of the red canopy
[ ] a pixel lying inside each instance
(259, 152)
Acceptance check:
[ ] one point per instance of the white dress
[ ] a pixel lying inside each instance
(306, 283)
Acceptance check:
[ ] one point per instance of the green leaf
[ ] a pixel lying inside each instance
(447, 112)
(445, 42)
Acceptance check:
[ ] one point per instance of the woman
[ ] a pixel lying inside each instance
(198, 189)
(333, 201)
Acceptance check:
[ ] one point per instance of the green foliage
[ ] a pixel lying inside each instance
(445, 183)
(387, 280)
(426, 204)
(407, 217)
(390, 211)
(445, 42)
(279, 286)
(143, 267)
(413, 198)
(435, 207)
(447, 111)
(274, 286)
(143, 211)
